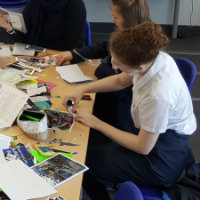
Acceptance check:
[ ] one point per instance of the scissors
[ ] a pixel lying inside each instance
(61, 143)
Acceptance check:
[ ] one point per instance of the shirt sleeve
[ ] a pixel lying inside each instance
(154, 114)
(98, 50)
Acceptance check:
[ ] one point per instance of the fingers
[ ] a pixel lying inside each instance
(63, 57)
(60, 60)
(78, 117)
(83, 118)
(4, 23)
(88, 119)
(74, 104)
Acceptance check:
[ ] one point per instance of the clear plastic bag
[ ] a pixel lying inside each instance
(34, 124)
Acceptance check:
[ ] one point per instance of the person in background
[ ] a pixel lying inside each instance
(53, 24)
(157, 152)
(126, 13)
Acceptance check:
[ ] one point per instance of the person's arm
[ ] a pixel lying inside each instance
(13, 35)
(112, 83)
(99, 50)
(18, 36)
(141, 143)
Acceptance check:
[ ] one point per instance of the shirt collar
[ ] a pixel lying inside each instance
(155, 68)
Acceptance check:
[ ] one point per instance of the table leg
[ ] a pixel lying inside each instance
(175, 19)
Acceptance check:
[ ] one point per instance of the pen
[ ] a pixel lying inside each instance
(31, 118)
(57, 150)
(77, 53)
(13, 65)
(32, 105)
(86, 97)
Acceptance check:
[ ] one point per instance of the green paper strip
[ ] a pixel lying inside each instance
(40, 157)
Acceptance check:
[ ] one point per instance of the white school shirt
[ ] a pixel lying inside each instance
(161, 99)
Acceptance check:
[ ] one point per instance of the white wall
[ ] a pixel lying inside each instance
(161, 11)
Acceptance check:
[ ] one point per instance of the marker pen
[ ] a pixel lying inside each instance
(31, 118)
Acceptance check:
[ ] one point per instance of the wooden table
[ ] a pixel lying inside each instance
(70, 190)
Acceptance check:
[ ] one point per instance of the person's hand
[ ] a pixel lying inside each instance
(63, 58)
(74, 96)
(88, 119)
(94, 64)
(5, 24)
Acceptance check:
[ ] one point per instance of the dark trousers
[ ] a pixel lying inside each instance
(111, 107)
(111, 163)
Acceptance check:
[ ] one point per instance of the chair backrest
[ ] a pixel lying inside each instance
(88, 41)
(188, 70)
(151, 193)
(128, 191)
(13, 4)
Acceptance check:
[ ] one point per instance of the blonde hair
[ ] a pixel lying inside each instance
(138, 45)
(134, 12)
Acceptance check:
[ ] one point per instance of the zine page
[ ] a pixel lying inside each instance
(20, 153)
(72, 74)
(15, 19)
(59, 169)
(59, 120)
(20, 182)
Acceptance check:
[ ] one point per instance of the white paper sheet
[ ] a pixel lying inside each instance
(20, 182)
(19, 49)
(72, 74)
(2, 157)
(12, 101)
(5, 52)
(35, 91)
(4, 141)
(12, 77)
(39, 98)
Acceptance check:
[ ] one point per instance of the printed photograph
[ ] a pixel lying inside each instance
(58, 120)
(36, 48)
(58, 169)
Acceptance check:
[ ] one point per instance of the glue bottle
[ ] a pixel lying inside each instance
(69, 105)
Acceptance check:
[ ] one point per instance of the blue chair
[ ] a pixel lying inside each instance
(13, 4)
(151, 193)
(88, 40)
(128, 191)
(188, 70)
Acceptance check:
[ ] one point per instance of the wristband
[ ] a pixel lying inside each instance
(11, 32)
